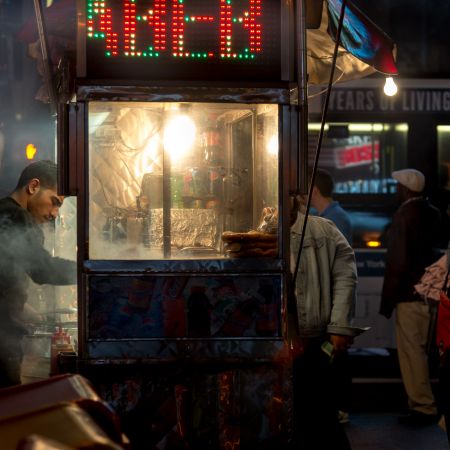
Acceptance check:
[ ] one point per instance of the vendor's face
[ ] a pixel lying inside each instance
(44, 203)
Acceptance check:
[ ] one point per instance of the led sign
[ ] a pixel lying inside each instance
(183, 39)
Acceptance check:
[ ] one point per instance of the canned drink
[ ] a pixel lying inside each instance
(188, 189)
(198, 182)
(176, 186)
(214, 182)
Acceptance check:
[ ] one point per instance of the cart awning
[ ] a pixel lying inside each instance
(364, 50)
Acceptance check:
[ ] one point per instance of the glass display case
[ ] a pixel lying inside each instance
(182, 180)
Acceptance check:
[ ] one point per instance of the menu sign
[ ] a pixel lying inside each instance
(183, 39)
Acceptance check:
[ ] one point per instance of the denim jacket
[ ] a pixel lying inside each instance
(326, 283)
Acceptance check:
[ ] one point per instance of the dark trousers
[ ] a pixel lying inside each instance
(342, 378)
(11, 356)
(316, 425)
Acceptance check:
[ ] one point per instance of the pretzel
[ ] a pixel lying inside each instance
(251, 236)
(254, 252)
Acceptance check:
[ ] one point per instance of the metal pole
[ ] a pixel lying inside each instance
(321, 133)
(47, 65)
(302, 98)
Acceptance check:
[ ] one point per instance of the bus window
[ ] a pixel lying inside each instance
(443, 136)
(361, 156)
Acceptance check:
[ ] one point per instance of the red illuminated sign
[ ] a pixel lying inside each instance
(154, 35)
(357, 155)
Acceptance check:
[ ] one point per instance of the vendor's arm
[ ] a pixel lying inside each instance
(42, 267)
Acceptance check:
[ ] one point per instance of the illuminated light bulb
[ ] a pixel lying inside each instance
(373, 244)
(390, 88)
(179, 136)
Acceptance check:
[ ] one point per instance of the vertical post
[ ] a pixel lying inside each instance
(47, 64)
(167, 203)
(302, 105)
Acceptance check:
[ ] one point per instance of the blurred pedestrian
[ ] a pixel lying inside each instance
(322, 200)
(411, 241)
(33, 202)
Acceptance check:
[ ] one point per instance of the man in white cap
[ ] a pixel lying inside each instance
(411, 241)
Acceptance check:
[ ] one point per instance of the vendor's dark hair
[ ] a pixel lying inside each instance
(324, 182)
(45, 171)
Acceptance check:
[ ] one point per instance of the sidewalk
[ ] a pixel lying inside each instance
(380, 431)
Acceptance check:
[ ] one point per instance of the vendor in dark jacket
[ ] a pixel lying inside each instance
(23, 256)
(411, 241)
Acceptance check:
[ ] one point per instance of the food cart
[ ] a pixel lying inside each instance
(181, 142)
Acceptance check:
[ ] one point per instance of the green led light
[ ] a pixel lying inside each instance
(150, 47)
(240, 55)
(235, 20)
(246, 50)
(186, 19)
(246, 56)
(138, 17)
(108, 53)
(252, 56)
(205, 55)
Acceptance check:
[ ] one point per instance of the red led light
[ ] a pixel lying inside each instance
(170, 19)
(155, 20)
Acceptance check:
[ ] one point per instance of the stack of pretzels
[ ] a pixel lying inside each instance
(251, 244)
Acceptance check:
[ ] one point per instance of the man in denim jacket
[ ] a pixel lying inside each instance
(325, 297)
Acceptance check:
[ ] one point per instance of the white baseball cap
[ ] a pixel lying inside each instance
(413, 179)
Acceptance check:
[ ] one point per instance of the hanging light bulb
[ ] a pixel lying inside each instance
(390, 88)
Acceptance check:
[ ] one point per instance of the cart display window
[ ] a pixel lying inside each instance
(443, 136)
(361, 156)
(181, 180)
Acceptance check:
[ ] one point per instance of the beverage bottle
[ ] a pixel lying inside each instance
(60, 342)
